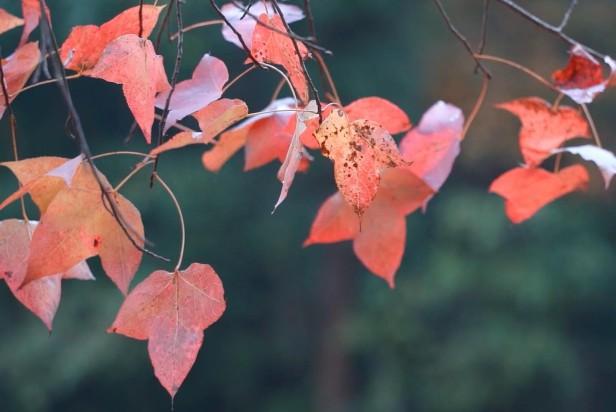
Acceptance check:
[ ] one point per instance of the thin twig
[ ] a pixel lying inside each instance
(477, 106)
(277, 90)
(132, 173)
(326, 74)
(177, 125)
(548, 27)
(484, 26)
(181, 218)
(310, 19)
(236, 78)
(518, 66)
(593, 127)
(44, 82)
(237, 33)
(13, 130)
(567, 15)
(460, 37)
(140, 18)
(205, 23)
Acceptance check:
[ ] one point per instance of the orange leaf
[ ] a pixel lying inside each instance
(381, 111)
(171, 310)
(213, 119)
(272, 47)
(18, 68)
(360, 151)
(85, 44)
(38, 177)
(77, 225)
(41, 297)
(8, 21)
(544, 129)
(132, 62)
(379, 243)
(526, 190)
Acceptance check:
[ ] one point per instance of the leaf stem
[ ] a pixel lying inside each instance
(591, 122)
(44, 82)
(132, 173)
(194, 26)
(518, 66)
(477, 107)
(180, 216)
(236, 78)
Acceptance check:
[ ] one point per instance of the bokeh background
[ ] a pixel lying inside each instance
(486, 316)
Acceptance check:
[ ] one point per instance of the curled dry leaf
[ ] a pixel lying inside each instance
(8, 21)
(245, 24)
(85, 44)
(526, 190)
(194, 94)
(132, 62)
(604, 159)
(269, 46)
(360, 150)
(543, 128)
(171, 311)
(18, 68)
(263, 137)
(582, 79)
(41, 297)
(213, 119)
(291, 164)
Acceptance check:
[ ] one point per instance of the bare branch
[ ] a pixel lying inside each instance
(548, 27)
(461, 37)
(567, 15)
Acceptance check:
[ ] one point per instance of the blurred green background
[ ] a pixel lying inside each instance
(486, 316)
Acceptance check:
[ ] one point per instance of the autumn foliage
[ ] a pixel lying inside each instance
(384, 165)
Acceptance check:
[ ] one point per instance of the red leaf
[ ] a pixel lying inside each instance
(526, 190)
(18, 68)
(8, 21)
(171, 310)
(272, 47)
(77, 225)
(433, 146)
(245, 25)
(42, 296)
(544, 129)
(381, 111)
(582, 79)
(379, 244)
(85, 44)
(132, 62)
(213, 119)
(203, 88)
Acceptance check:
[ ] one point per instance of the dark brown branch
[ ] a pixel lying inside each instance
(484, 26)
(548, 27)
(49, 43)
(237, 33)
(313, 89)
(461, 37)
(140, 18)
(310, 18)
